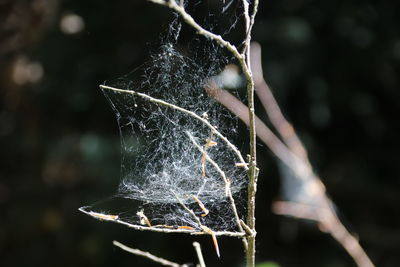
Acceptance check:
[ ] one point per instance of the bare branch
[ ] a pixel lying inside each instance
(188, 112)
(197, 247)
(253, 170)
(303, 171)
(148, 255)
(329, 223)
(247, 25)
(298, 210)
(187, 209)
(227, 183)
(253, 16)
(264, 93)
(164, 230)
(201, 226)
(200, 30)
(324, 214)
(263, 132)
(249, 21)
(213, 163)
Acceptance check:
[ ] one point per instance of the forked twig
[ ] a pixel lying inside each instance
(191, 212)
(200, 30)
(263, 132)
(328, 222)
(325, 214)
(292, 152)
(204, 228)
(228, 192)
(302, 170)
(213, 163)
(271, 106)
(148, 255)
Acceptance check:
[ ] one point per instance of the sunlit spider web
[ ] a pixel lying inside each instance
(160, 164)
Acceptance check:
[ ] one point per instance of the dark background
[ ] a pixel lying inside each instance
(333, 65)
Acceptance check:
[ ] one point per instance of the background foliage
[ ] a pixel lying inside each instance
(334, 67)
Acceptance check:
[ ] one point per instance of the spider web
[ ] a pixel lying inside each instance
(163, 150)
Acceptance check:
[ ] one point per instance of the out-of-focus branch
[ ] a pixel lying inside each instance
(324, 214)
(264, 93)
(263, 132)
(328, 222)
(148, 255)
(291, 152)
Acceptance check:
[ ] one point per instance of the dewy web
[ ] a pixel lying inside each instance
(170, 157)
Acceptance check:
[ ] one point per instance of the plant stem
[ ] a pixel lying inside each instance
(253, 170)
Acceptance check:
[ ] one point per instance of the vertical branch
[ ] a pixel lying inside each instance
(253, 170)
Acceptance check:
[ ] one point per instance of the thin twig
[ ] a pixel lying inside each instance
(191, 212)
(246, 228)
(247, 25)
(197, 247)
(227, 183)
(188, 112)
(329, 223)
(253, 16)
(148, 255)
(201, 226)
(165, 230)
(216, 166)
(249, 21)
(200, 30)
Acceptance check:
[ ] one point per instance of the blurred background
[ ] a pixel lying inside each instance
(333, 66)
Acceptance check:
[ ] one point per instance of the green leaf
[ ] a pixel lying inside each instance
(267, 264)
